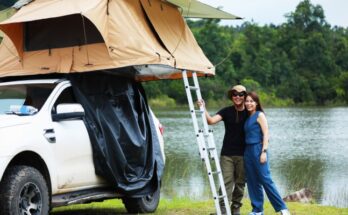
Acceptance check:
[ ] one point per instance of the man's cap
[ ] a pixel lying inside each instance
(239, 88)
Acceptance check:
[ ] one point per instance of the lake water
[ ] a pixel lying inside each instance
(308, 148)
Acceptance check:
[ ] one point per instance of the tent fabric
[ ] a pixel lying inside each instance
(197, 9)
(10, 62)
(47, 9)
(130, 37)
(176, 36)
(126, 149)
(15, 33)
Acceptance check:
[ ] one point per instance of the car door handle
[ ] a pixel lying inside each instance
(50, 135)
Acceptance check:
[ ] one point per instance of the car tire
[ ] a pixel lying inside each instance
(146, 204)
(23, 190)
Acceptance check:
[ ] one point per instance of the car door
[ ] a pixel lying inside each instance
(72, 148)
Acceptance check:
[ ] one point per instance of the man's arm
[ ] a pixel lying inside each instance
(210, 119)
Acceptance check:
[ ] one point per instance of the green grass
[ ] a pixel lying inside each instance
(190, 207)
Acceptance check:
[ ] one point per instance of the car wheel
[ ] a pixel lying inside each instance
(146, 204)
(23, 191)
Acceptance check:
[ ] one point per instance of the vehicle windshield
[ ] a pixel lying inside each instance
(24, 99)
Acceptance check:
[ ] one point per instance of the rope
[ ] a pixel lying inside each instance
(225, 58)
(85, 37)
(183, 30)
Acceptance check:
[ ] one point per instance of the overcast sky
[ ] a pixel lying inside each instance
(273, 11)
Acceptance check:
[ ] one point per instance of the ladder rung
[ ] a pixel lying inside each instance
(214, 172)
(211, 148)
(220, 197)
(192, 87)
(199, 111)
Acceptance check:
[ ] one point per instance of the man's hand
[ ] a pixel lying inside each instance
(201, 103)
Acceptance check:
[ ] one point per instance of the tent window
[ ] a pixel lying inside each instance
(60, 32)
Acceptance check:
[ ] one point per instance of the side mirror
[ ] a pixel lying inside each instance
(68, 112)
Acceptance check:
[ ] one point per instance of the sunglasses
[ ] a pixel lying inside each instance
(235, 94)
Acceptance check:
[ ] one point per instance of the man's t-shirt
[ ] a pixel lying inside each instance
(234, 139)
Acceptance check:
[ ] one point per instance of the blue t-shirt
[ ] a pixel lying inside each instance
(252, 129)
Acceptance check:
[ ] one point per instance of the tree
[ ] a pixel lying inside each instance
(307, 17)
(7, 3)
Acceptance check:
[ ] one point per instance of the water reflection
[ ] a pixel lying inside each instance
(185, 176)
(301, 173)
(308, 148)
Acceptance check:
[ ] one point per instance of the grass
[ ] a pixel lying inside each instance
(190, 207)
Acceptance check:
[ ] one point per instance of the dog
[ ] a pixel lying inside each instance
(304, 196)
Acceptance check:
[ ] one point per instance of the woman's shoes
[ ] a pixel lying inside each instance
(256, 213)
(285, 212)
(282, 212)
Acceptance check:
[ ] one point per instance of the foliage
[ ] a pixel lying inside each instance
(7, 3)
(162, 101)
(300, 62)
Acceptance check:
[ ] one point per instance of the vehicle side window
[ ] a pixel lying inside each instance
(66, 97)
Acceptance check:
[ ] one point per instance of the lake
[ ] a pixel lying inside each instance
(308, 148)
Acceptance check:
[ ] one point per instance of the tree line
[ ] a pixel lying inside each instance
(303, 61)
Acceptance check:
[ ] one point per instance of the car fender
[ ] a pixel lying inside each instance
(15, 141)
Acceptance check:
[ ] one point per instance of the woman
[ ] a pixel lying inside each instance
(256, 160)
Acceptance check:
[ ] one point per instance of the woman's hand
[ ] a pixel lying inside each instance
(263, 157)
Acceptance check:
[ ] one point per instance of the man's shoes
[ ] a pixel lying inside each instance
(285, 212)
(235, 211)
(223, 212)
(256, 213)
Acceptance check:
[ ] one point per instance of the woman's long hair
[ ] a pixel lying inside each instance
(256, 99)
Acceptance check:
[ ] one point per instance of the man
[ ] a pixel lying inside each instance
(232, 151)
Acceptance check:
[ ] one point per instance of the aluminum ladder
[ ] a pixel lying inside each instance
(206, 144)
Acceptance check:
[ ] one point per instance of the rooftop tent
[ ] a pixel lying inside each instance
(114, 34)
(64, 36)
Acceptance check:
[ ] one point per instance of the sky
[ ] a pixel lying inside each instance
(273, 11)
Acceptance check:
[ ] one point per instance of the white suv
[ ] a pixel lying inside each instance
(46, 153)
